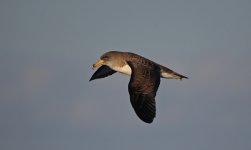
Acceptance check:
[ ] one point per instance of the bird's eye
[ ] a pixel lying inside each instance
(105, 58)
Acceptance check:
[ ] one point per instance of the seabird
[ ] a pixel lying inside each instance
(144, 82)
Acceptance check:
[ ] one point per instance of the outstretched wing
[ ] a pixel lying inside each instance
(143, 85)
(102, 72)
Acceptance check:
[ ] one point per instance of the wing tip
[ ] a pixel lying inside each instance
(148, 121)
(91, 79)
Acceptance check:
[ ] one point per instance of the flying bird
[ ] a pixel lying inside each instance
(144, 82)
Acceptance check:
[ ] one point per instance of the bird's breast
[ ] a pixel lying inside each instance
(126, 69)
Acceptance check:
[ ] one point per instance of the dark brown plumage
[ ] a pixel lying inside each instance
(144, 82)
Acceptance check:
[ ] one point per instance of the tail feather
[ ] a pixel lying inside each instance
(170, 74)
(179, 76)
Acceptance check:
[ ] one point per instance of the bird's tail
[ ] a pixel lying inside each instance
(170, 74)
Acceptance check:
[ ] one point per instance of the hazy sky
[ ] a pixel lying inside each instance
(48, 103)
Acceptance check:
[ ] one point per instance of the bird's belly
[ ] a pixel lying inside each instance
(126, 69)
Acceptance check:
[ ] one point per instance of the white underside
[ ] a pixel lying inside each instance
(128, 71)
(167, 75)
(125, 69)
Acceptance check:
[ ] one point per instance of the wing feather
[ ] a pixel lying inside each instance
(102, 72)
(142, 88)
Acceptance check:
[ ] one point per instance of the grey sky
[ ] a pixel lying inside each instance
(47, 48)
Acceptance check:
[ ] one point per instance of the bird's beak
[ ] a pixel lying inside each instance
(100, 62)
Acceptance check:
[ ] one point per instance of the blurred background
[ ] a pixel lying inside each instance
(47, 49)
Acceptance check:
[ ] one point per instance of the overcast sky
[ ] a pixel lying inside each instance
(47, 48)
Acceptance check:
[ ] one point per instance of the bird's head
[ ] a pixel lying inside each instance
(106, 59)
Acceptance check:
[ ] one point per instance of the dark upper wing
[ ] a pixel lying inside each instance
(142, 88)
(102, 72)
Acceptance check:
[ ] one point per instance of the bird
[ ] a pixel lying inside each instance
(144, 79)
